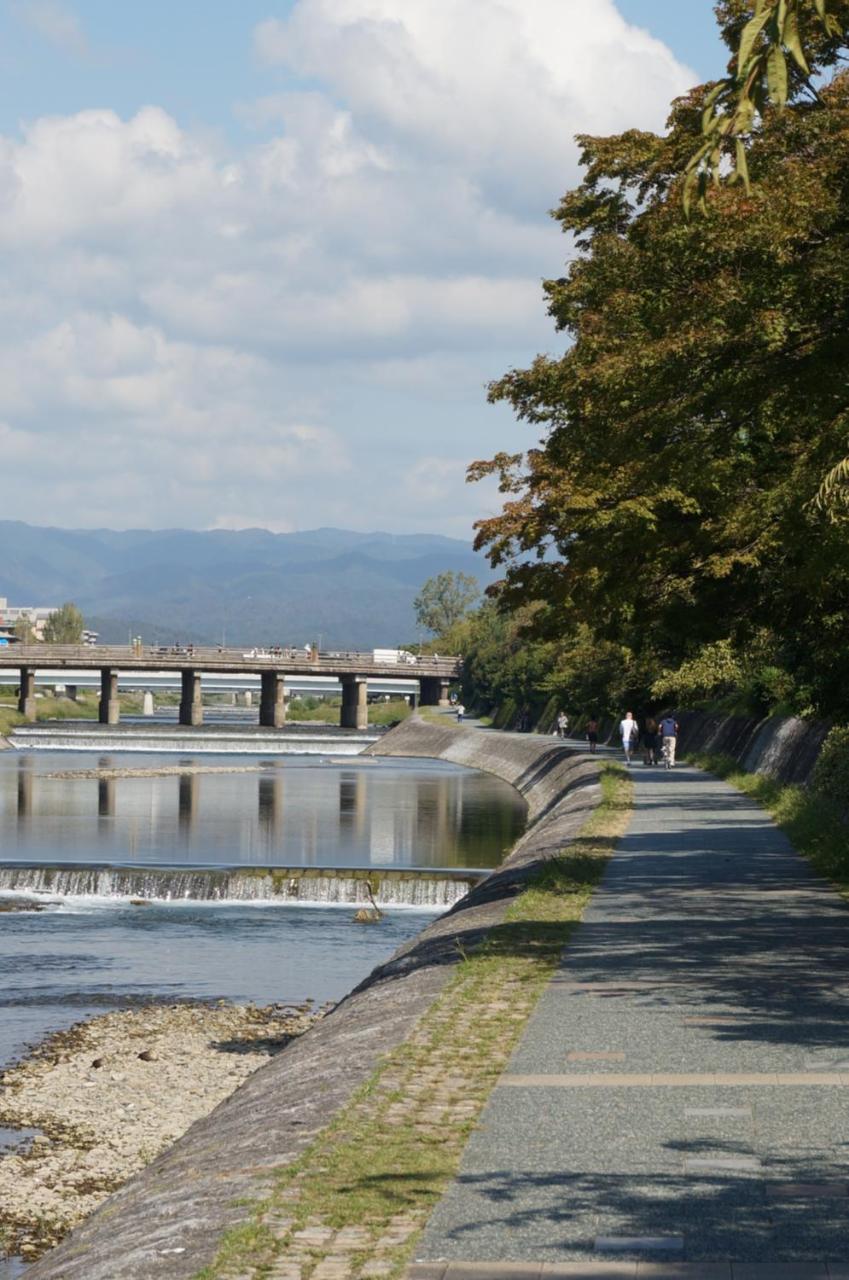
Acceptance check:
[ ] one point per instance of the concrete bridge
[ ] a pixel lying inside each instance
(352, 670)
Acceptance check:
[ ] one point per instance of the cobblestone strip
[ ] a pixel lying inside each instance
(427, 1098)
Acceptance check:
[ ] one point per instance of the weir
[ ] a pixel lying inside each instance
(183, 742)
(327, 886)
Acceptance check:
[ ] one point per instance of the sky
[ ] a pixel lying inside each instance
(261, 260)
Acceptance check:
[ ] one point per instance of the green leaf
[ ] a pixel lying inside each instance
(776, 76)
(696, 160)
(819, 5)
(742, 171)
(793, 43)
(751, 31)
(745, 117)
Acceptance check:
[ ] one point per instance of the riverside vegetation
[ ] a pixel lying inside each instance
(814, 817)
(86, 707)
(676, 533)
(357, 1199)
(305, 709)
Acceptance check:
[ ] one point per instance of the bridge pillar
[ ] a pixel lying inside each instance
(191, 702)
(110, 707)
(354, 703)
(272, 703)
(434, 691)
(147, 703)
(26, 697)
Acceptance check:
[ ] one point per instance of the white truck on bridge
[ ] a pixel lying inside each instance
(393, 657)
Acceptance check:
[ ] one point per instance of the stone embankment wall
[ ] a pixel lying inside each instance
(786, 750)
(166, 1223)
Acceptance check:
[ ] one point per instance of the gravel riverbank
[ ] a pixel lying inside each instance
(109, 1094)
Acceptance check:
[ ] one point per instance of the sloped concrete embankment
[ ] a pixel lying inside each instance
(783, 749)
(166, 1223)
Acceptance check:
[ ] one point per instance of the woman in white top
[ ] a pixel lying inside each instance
(630, 735)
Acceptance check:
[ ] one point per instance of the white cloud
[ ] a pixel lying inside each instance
(56, 23)
(299, 332)
(497, 86)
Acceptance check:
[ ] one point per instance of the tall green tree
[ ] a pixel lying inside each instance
(445, 600)
(65, 625)
(24, 629)
(669, 502)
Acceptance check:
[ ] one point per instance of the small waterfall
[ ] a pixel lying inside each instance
(432, 890)
(277, 743)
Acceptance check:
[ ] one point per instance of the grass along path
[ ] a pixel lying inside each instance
(352, 1207)
(814, 825)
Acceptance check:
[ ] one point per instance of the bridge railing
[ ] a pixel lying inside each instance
(254, 658)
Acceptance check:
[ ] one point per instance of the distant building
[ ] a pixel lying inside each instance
(11, 614)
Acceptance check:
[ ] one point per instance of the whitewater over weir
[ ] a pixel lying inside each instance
(169, 741)
(425, 890)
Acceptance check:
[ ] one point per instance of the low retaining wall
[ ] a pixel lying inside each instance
(538, 770)
(786, 750)
(166, 1223)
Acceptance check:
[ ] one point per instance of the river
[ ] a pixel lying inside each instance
(185, 824)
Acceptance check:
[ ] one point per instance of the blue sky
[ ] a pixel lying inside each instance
(261, 260)
(195, 57)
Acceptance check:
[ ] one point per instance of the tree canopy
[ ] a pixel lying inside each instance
(65, 625)
(444, 600)
(25, 629)
(779, 50)
(669, 507)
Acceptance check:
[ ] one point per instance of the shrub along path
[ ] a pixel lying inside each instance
(678, 1104)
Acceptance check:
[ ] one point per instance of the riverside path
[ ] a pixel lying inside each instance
(679, 1103)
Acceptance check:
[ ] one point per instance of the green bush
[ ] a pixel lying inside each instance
(831, 773)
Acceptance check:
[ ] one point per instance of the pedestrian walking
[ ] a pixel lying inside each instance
(669, 739)
(562, 724)
(630, 735)
(650, 741)
(592, 736)
(461, 711)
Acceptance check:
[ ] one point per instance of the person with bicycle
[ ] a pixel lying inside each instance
(669, 740)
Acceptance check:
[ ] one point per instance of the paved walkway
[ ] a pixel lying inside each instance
(678, 1105)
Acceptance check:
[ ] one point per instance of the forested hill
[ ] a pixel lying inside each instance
(352, 589)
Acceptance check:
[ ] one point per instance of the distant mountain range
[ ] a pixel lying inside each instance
(352, 590)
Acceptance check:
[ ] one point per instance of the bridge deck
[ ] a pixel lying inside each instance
(213, 659)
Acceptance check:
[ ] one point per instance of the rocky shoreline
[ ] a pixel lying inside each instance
(108, 1095)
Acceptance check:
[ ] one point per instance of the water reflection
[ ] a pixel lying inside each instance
(106, 798)
(284, 811)
(188, 798)
(24, 791)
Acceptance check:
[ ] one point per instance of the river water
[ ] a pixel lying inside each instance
(89, 952)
